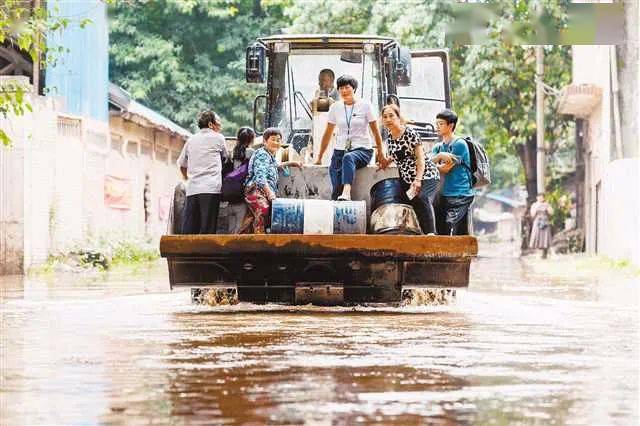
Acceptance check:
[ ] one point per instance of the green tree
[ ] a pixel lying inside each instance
(180, 57)
(415, 23)
(497, 86)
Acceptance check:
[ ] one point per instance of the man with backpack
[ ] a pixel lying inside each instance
(453, 159)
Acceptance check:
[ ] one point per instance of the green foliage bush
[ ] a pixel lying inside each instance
(560, 201)
(104, 253)
(134, 251)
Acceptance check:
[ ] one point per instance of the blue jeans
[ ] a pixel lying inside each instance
(343, 167)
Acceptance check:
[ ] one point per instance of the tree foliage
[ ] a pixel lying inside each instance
(180, 57)
(415, 23)
(498, 83)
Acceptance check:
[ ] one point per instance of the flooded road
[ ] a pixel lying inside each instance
(528, 345)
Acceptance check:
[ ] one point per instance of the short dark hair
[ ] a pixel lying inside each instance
(327, 71)
(244, 137)
(271, 131)
(206, 117)
(347, 80)
(392, 99)
(448, 116)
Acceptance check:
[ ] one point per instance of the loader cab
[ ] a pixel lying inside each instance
(290, 64)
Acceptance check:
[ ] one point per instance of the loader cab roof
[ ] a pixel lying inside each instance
(337, 40)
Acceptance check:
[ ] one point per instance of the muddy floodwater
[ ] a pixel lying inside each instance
(525, 345)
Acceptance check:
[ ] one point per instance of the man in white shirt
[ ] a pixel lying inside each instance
(201, 163)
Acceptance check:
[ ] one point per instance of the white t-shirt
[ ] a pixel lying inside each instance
(201, 155)
(361, 115)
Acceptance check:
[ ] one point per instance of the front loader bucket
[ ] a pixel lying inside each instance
(319, 269)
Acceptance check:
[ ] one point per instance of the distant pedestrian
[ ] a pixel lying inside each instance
(540, 237)
(454, 161)
(201, 164)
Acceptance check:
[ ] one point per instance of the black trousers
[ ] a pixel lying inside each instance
(452, 215)
(201, 214)
(423, 204)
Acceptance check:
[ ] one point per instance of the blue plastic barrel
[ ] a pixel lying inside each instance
(350, 217)
(294, 216)
(287, 216)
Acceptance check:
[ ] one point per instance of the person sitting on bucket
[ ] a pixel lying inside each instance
(262, 182)
(353, 150)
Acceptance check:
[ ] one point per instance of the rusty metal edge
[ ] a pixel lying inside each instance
(406, 246)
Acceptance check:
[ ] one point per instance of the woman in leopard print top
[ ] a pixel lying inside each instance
(416, 171)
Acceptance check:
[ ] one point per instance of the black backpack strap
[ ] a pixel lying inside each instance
(468, 167)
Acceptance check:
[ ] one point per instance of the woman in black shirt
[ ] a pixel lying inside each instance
(418, 174)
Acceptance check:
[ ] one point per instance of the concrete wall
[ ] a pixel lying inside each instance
(26, 180)
(52, 182)
(142, 154)
(620, 199)
(629, 78)
(591, 66)
(612, 185)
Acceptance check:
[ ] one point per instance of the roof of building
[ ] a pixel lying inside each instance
(129, 109)
(511, 202)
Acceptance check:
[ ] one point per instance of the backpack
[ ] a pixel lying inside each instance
(480, 170)
(233, 183)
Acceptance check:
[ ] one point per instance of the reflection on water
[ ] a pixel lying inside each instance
(519, 346)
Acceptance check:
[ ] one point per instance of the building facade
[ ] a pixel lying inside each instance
(604, 99)
(68, 179)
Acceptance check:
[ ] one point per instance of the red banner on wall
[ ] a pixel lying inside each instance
(117, 192)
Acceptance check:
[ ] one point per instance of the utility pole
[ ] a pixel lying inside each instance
(36, 62)
(540, 149)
